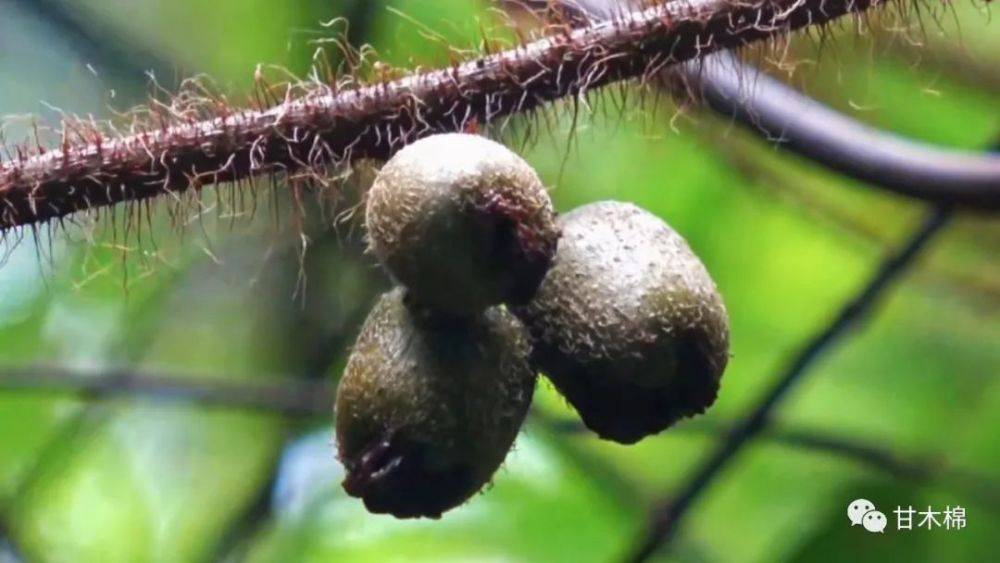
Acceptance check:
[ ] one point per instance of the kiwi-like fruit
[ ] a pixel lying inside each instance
(429, 405)
(628, 324)
(463, 222)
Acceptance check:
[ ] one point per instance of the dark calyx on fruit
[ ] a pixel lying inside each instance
(429, 405)
(628, 324)
(463, 222)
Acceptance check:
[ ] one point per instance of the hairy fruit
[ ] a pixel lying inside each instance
(463, 222)
(429, 405)
(628, 324)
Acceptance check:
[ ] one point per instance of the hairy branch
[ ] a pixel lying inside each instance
(174, 149)
(669, 513)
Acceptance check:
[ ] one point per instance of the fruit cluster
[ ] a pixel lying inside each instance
(607, 301)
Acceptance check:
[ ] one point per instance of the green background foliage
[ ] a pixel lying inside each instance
(124, 479)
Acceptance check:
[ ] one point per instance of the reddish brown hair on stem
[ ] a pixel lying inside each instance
(331, 125)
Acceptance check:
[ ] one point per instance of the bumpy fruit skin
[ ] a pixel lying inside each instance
(628, 324)
(463, 222)
(429, 406)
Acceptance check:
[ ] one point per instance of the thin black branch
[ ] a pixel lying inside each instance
(81, 425)
(618, 485)
(918, 468)
(799, 123)
(250, 521)
(293, 398)
(884, 458)
(307, 400)
(176, 149)
(977, 288)
(316, 346)
(302, 398)
(877, 456)
(844, 145)
(667, 515)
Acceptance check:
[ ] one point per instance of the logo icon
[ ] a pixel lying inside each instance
(874, 521)
(862, 512)
(856, 510)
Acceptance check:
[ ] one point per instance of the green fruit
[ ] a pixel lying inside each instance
(429, 405)
(628, 324)
(463, 222)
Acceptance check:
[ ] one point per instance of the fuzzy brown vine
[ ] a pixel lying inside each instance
(170, 152)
